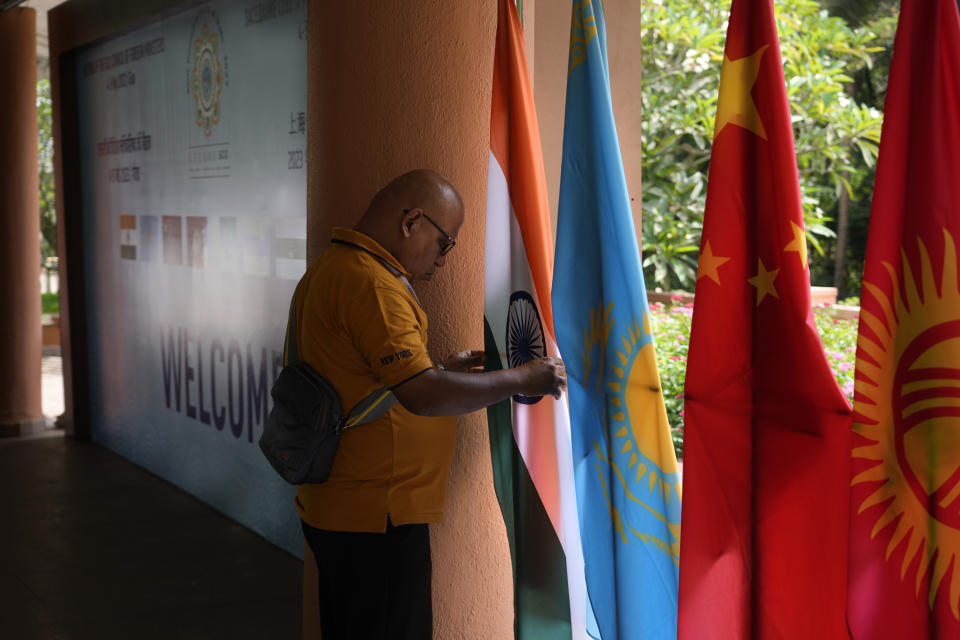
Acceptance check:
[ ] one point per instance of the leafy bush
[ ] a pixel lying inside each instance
(48, 207)
(836, 137)
(49, 303)
(671, 329)
(839, 336)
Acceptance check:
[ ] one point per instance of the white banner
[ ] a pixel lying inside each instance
(193, 149)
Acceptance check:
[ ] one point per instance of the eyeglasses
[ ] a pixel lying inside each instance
(450, 241)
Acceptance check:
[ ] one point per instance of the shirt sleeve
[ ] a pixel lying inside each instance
(388, 332)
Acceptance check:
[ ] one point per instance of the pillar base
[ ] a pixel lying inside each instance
(26, 428)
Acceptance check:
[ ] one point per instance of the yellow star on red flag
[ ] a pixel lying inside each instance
(735, 104)
(709, 264)
(799, 243)
(763, 281)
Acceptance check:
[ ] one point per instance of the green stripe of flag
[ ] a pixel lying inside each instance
(541, 599)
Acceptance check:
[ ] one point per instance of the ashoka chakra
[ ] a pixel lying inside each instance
(524, 336)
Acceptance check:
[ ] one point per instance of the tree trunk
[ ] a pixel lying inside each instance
(840, 254)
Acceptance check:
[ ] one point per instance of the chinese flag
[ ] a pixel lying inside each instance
(767, 429)
(904, 579)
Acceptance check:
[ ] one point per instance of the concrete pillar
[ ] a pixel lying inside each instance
(20, 341)
(393, 86)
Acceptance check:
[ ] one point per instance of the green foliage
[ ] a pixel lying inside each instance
(879, 17)
(839, 336)
(48, 209)
(49, 303)
(671, 330)
(869, 87)
(857, 12)
(836, 137)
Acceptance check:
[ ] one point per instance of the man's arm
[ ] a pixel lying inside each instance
(450, 393)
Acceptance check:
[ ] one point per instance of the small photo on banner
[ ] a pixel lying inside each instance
(172, 240)
(290, 248)
(128, 237)
(257, 245)
(197, 241)
(228, 245)
(149, 239)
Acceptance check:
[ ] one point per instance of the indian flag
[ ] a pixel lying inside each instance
(128, 237)
(529, 437)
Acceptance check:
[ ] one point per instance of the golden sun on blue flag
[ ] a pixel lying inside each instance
(628, 485)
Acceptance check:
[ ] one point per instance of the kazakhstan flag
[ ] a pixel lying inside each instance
(628, 487)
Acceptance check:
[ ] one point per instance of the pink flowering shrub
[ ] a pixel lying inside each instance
(839, 337)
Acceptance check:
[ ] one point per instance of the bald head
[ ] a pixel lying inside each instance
(414, 217)
(419, 188)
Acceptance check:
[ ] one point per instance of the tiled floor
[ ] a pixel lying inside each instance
(92, 546)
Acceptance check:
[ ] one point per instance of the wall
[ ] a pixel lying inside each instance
(395, 86)
(552, 44)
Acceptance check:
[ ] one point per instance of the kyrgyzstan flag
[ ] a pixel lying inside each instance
(767, 429)
(905, 499)
(529, 437)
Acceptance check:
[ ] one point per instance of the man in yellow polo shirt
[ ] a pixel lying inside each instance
(362, 327)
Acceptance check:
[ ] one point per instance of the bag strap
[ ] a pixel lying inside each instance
(369, 408)
(392, 269)
(290, 352)
(399, 275)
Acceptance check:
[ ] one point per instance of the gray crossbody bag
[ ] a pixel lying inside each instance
(303, 429)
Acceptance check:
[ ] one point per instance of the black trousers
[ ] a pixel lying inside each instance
(374, 586)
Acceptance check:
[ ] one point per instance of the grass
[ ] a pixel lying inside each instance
(49, 303)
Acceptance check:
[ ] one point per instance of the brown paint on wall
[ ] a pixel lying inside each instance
(394, 86)
(624, 55)
(550, 85)
(20, 341)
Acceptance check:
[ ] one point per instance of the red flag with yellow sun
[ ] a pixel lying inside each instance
(904, 579)
(767, 429)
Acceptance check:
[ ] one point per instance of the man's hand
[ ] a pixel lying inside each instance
(451, 393)
(465, 361)
(544, 377)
